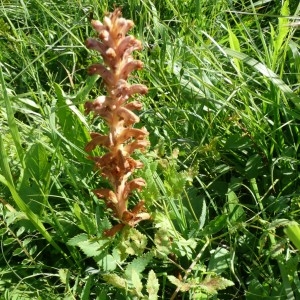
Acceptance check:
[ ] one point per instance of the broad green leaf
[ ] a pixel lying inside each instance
(89, 85)
(236, 211)
(9, 241)
(253, 166)
(17, 251)
(293, 233)
(219, 261)
(107, 263)
(214, 226)
(237, 141)
(34, 187)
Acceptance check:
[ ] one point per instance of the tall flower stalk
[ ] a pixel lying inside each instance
(117, 165)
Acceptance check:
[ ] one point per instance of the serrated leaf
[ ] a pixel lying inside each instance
(93, 248)
(88, 224)
(74, 241)
(64, 275)
(115, 280)
(137, 283)
(138, 264)
(152, 286)
(183, 286)
(211, 285)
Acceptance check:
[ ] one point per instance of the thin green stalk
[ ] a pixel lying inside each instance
(11, 120)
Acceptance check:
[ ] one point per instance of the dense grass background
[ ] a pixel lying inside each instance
(223, 113)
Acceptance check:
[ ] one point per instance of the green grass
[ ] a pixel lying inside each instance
(222, 172)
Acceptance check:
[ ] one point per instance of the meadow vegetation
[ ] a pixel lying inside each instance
(221, 171)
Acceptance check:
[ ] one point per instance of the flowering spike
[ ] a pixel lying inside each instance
(122, 139)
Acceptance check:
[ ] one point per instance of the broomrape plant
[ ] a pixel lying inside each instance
(122, 139)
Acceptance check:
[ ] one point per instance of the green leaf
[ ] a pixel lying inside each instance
(107, 263)
(88, 224)
(293, 233)
(17, 251)
(235, 45)
(183, 286)
(35, 184)
(64, 275)
(4, 164)
(93, 248)
(215, 225)
(283, 29)
(115, 281)
(74, 241)
(11, 119)
(253, 166)
(71, 121)
(8, 241)
(236, 211)
(211, 285)
(137, 283)
(138, 264)
(219, 261)
(152, 286)
(85, 295)
(237, 141)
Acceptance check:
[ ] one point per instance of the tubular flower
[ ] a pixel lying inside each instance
(122, 139)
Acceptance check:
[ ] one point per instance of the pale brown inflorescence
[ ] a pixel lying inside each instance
(117, 165)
